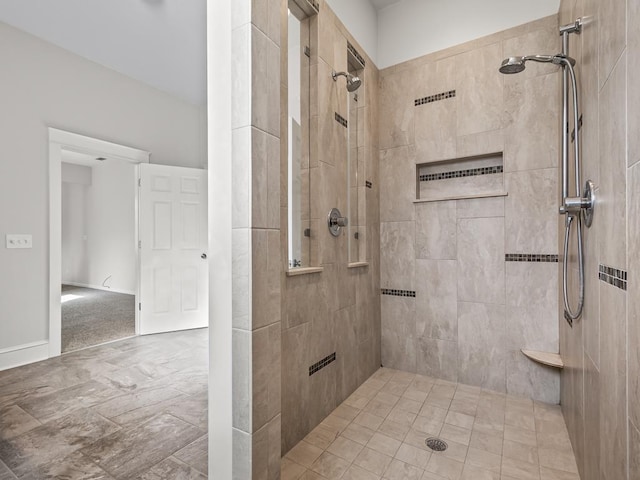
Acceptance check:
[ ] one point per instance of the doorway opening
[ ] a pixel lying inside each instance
(139, 239)
(94, 235)
(99, 273)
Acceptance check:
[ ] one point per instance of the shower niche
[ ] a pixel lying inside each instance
(357, 183)
(469, 177)
(299, 17)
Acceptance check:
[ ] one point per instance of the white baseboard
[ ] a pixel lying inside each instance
(99, 287)
(22, 354)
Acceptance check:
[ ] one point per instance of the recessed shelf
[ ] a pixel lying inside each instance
(545, 358)
(467, 177)
(293, 272)
(462, 197)
(358, 264)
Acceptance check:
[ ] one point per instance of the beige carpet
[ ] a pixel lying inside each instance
(91, 317)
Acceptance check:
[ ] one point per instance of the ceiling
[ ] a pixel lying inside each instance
(380, 4)
(158, 42)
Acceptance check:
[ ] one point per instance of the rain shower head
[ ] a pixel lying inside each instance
(517, 64)
(353, 82)
(512, 65)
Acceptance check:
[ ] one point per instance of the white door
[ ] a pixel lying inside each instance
(173, 241)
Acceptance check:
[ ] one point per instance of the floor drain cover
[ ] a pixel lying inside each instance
(436, 444)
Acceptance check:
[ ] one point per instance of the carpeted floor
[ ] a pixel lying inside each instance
(91, 317)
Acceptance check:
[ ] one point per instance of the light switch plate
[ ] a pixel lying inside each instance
(19, 240)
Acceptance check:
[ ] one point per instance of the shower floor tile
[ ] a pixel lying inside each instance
(379, 433)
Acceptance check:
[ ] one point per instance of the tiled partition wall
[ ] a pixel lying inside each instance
(470, 282)
(600, 385)
(256, 239)
(331, 319)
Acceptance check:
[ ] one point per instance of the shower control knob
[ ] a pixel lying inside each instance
(336, 221)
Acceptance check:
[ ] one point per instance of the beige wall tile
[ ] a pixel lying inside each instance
(399, 342)
(612, 172)
(397, 184)
(482, 353)
(613, 381)
(531, 211)
(396, 127)
(633, 293)
(436, 299)
(531, 110)
(479, 90)
(435, 130)
(524, 377)
(532, 306)
(612, 37)
(633, 75)
(480, 143)
(265, 83)
(481, 263)
(437, 358)
(480, 207)
(436, 230)
(397, 265)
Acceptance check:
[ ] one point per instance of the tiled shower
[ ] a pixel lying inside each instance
(458, 181)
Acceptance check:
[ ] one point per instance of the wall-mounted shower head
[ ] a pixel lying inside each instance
(353, 82)
(517, 64)
(512, 65)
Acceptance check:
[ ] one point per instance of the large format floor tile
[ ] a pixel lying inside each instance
(130, 409)
(379, 433)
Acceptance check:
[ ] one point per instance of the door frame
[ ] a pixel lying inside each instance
(60, 140)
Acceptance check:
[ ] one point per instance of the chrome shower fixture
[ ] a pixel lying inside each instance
(579, 208)
(513, 65)
(353, 82)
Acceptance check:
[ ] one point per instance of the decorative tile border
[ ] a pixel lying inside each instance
(341, 120)
(530, 257)
(398, 293)
(613, 276)
(434, 98)
(461, 173)
(322, 363)
(368, 184)
(355, 53)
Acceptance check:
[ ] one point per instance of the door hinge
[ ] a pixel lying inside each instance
(139, 182)
(139, 243)
(140, 306)
(307, 51)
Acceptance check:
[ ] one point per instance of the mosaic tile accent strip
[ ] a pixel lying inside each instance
(434, 98)
(530, 257)
(355, 53)
(368, 184)
(322, 363)
(613, 276)
(398, 293)
(341, 120)
(461, 173)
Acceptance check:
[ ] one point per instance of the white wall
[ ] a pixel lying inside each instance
(361, 19)
(44, 86)
(412, 28)
(98, 227)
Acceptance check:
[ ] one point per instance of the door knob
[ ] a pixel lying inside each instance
(203, 256)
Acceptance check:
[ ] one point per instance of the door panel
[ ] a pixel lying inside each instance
(173, 237)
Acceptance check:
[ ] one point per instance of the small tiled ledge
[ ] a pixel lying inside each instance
(545, 358)
(462, 197)
(293, 272)
(358, 264)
